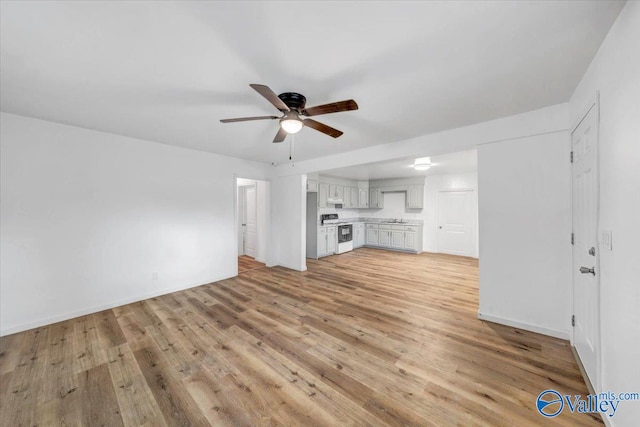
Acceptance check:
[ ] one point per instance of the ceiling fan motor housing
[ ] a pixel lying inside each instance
(294, 100)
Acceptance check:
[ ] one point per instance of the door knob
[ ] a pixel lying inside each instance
(585, 270)
(440, 226)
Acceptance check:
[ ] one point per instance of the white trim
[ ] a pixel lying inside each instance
(236, 225)
(527, 327)
(95, 309)
(291, 267)
(595, 100)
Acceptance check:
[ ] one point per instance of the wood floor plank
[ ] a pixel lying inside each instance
(369, 337)
(176, 404)
(99, 403)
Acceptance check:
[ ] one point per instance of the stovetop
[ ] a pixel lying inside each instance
(333, 219)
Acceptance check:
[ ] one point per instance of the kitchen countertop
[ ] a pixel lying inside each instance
(414, 222)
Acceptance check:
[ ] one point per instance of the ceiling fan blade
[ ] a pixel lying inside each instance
(270, 96)
(322, 128)
(247, 119)
(334, 107)
(280, 136)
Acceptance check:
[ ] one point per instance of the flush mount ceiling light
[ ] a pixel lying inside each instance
(291, 123)
(422, 164)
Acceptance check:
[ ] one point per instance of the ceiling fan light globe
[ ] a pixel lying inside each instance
(291, 125)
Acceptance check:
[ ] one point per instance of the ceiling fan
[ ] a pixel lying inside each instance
(292, 107)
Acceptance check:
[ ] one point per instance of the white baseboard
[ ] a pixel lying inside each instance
(527, 327)
(95, 309)
(291, 267)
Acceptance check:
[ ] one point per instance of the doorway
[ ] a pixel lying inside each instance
(456, 222)
(252, 222)
(247, 204)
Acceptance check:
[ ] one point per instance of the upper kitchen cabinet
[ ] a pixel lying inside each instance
(375, 198)
(336, 191)
(323, 195)
(363, 198)
(415, 197)
(354, 197)
(346, 200)
(312, 186)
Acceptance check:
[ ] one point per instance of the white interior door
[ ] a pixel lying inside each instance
(240, 215)
(455, 222)
(250, 221)
(584, 142)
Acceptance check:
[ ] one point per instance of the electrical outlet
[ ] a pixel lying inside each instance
(154, 275)
(606, 240)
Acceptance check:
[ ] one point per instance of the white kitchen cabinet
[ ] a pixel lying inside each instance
(363, 198)
(410, 241)
(375, 198)
(322, 241)
(331, 240)
(359, 232)
(354, 197)
(384, 236)
(312, 186)
(336, 191)
(326, 241)
(372, 235)
(415, 196)
(323, 195)
(397, 238)
(413, 238)
(346, 200)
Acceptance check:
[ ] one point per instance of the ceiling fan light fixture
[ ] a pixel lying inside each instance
(291, 123)
(422, 164)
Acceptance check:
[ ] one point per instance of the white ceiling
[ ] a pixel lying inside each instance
(453, 163)
(168, 71)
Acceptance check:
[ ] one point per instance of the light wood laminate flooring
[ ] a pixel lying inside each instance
(369, 337)
(246, 263)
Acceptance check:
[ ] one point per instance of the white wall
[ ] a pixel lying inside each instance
(525, 226)
(289, 216)
(87, 218)
(615, 73)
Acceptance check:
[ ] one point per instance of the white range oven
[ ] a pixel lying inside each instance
(345, 238)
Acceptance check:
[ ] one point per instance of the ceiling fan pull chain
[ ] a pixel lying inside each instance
(291, 141)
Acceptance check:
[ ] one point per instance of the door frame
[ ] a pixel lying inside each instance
(269, 255)
(594, 103)
(474, 219)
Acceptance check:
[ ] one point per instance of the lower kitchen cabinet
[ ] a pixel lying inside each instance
(410, 241)
(372, 235)
(398, 237)
(384, 236)
(358, 235)
(326, 241)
